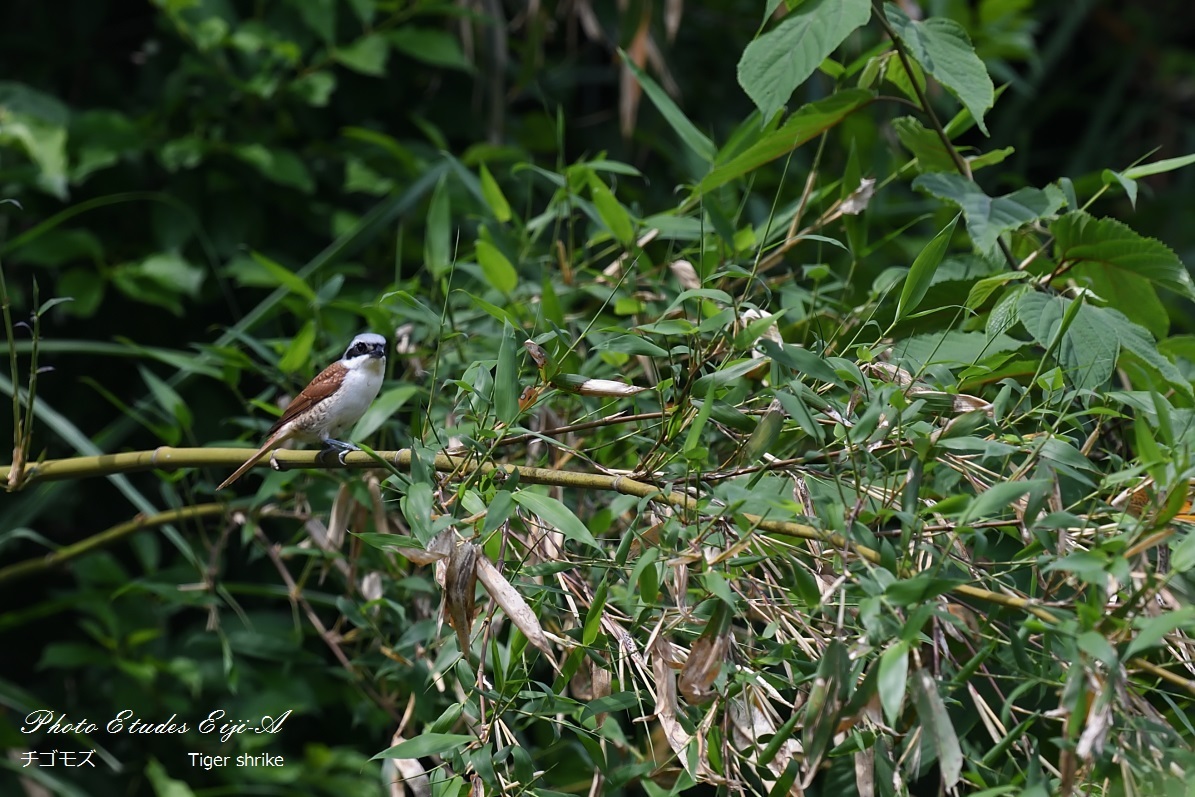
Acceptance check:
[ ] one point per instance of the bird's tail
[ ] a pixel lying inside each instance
(249, 463)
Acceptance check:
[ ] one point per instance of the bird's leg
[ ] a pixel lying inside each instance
(341, 447)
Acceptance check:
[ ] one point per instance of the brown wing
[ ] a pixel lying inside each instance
(325, 384)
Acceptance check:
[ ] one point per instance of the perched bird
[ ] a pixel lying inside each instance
(329, 406)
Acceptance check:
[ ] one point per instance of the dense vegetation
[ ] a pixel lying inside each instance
(790, 400)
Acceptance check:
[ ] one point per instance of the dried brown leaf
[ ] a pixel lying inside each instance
(506, 596)
(460, 581)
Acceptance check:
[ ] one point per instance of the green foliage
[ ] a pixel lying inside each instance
(734, 459)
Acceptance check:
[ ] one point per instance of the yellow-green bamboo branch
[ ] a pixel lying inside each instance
(167, 458)
(30, 567)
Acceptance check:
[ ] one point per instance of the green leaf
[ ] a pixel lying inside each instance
(284, 277)
(988, 217)
(921, 273)
(893, 680)
(390, 402)
(437, 240)
(497, 269)
(773, 65)
(806, 124)
(1109, 244)
(494, 196)
(943, 49)
(431, 46)
(940, 735)
(426, 744)
(1152, 630)
(167, 397)
(1089, 346)
(632, 344)
(367, 55)
(506, 378)
(279, 165)
(997, 500)
(925, 145)
(556, 515)
(611, 211)
(1158, 167)
(298, 353)
(693, 138)
(982, 289)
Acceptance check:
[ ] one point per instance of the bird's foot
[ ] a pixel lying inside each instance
(339, 447)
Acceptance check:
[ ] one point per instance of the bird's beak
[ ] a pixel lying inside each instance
(378, 353)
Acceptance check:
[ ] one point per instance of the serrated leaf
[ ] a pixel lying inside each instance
(1089, 346)
(924, 144)
(773, 65)
(1081, 238)
(988, 217)
(943, 49)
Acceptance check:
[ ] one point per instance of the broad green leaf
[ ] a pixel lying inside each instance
(944, 50)
(777, 62)
(1130, 293)
(1137, 341)
(497, 269)
(1109, 244)
(1089, 346)
(939, 733)
(367, 55)
(893, 680)
(693, 138)
(494, 196)
(556, 515)
(693, 448)
(921, 273)
(426, 744)
(805, 124)
(988, 217)
(925, 145)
